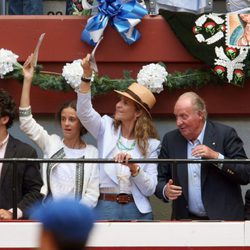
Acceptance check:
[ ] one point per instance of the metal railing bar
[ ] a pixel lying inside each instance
(147, 160)
(174, 162)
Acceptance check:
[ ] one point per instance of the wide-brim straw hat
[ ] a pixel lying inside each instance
(141, 95)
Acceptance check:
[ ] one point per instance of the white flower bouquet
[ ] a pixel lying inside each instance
(7, 61)
(72, 73)
(152, 76)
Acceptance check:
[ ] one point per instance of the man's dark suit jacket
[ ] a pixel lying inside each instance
(220, 188)
(247, 205)
(29, 181)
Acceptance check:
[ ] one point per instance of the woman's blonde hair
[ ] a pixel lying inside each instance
(143, 130)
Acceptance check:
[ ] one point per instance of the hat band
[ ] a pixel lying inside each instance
(137, 98)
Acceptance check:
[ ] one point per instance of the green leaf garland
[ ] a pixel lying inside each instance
(101, 85)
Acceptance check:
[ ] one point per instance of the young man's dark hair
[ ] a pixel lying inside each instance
(7, 107)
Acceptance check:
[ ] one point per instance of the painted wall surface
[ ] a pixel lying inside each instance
(195, 235)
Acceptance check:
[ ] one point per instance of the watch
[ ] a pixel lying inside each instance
(89, 78)
(86, 79)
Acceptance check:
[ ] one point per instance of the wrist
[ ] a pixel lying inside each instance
(216, 155)
(87, 74)
(28, 79)
(135, 170)
(88, 77)
(85, 87)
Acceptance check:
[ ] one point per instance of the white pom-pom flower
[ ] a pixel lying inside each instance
(152, 76)
(72, 72)
(7, 61)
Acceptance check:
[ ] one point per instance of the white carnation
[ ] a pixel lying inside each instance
(7, 61)
(72, 72)
(152, 76)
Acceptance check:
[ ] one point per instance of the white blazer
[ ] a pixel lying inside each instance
(144, 184)
(50, 144)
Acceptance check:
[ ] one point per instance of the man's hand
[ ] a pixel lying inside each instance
(5, 215)
(204, 151)
(172, 191)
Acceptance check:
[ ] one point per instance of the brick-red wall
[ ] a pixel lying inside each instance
(62, 44)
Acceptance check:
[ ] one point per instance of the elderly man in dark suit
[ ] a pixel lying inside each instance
(29, 180)
(202, 191)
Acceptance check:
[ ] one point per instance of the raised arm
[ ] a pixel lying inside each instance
(28, 73)
(27, 123)
(85, 85)
(89, 118)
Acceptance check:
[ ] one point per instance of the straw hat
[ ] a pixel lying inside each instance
(140, 95)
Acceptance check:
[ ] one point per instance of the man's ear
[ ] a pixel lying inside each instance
(201, 114)
(4, 120)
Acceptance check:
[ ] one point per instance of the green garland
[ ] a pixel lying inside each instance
(101, 85)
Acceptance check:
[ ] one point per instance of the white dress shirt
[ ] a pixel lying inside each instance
(194, 179)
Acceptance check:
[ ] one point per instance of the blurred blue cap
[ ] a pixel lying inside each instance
(66, 218)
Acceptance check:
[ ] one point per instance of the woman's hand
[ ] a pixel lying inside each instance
(28, 68)
(123, 158)
(86, 66)
(28, 73)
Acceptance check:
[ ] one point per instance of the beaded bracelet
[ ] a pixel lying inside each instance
(25, 112)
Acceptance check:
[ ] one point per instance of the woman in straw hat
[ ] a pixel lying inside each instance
(124, 188)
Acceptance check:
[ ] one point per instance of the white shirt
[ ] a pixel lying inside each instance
(122, 171)
(63, 175)
(195, 203)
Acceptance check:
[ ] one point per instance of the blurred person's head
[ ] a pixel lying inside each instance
(66, 224)
(190, 113)
(133, 109)
(8, 109)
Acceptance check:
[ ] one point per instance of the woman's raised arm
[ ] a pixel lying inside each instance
(28, 73)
